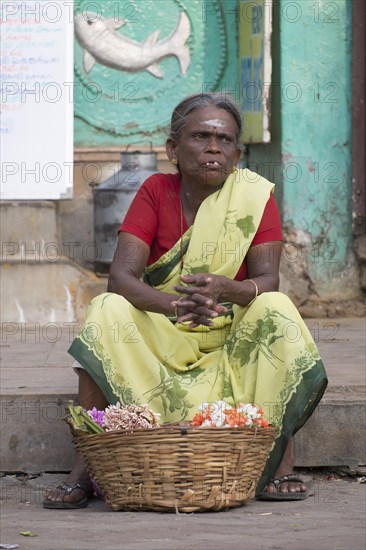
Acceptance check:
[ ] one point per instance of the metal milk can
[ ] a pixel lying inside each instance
(113, 197)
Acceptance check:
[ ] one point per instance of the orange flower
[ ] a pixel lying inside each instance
(198, 419)
(220, 414)
(264, 423)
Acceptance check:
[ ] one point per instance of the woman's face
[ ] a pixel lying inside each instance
(207, 149)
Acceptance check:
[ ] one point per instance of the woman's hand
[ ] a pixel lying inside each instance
(200, 301)
(129, 261)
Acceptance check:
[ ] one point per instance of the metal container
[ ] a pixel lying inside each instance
(113, 197)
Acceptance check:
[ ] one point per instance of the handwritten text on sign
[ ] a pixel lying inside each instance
(36, 99)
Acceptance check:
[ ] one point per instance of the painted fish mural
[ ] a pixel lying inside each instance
(101, 43)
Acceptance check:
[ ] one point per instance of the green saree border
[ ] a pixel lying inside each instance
(159, 274)
(93, 366)
(156, 273)
(298, 410)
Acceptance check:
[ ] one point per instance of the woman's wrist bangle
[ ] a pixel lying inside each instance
(256, 292)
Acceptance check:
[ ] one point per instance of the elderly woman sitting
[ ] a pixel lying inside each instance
(206, 322)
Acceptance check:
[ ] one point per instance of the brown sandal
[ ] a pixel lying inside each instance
(278, 495)
(68, 489)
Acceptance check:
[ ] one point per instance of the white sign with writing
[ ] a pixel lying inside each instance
(36, 101)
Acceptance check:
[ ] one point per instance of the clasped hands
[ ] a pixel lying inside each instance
(199, 303)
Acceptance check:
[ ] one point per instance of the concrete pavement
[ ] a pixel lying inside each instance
(333, 518)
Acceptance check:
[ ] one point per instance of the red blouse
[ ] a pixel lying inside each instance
(154, 217)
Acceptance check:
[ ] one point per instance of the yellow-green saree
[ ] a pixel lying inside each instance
(262, 354)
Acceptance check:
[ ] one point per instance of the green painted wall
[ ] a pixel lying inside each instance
(315, 52)
(118, 107)
(309, 156)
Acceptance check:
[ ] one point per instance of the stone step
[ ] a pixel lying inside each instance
(38, 283)
(34, 439)
(335, 433)
(37, 381)
(46, 292)
(27, 226)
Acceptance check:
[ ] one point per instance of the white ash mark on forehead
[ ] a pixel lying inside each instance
(215, 122)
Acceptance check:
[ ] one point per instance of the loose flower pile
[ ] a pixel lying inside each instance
(114, 417)
(131, 417)
(218, 414)
(221, 415)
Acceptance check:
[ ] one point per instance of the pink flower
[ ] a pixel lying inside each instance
(97, 416)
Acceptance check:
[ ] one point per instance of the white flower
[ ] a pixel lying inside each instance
(217, 414)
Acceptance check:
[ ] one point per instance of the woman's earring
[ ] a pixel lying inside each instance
(174, 161)
(234, 169)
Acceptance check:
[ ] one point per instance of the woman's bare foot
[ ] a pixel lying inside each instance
(77, 488)
(74, 491)
(286, 469)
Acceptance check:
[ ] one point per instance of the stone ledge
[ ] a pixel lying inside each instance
(333, 309)
(27, 224)
(105, 154)
(44, 292)
(335, 435)
(34, 439)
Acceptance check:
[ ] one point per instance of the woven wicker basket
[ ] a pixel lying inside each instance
(177, 468)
